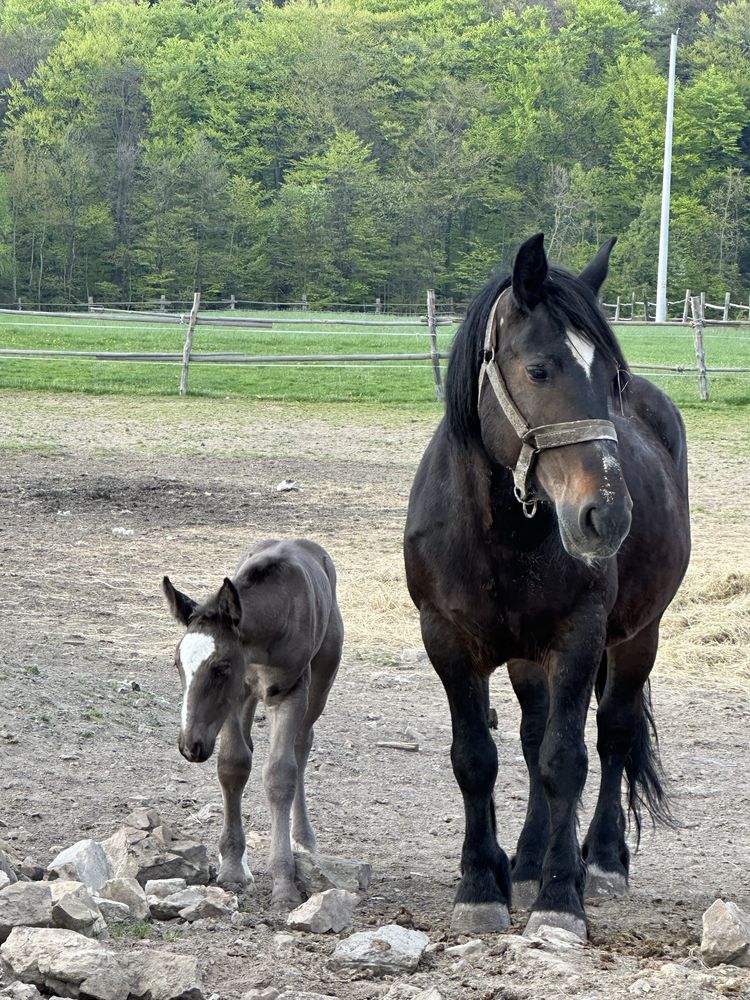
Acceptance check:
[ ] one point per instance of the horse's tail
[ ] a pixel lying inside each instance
(644, 770)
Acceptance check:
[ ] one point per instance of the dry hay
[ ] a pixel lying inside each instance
(706, 631)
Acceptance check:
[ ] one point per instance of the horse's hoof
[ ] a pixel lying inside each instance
(285, 902)
(479, 918)
(601, 883)
(559, 919)
(524, 894)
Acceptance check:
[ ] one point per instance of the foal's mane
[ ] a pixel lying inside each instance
(565, 296)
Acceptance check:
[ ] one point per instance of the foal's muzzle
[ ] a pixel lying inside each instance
(195, 750)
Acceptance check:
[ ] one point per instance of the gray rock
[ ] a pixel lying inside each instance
(86, 861)
(31, 870)
(388, 949)
(163, 976)
(264, 993)
(4, 880)
(64, 961)
(283, 943)
(180, 860)
(115, 914)
(122, 861)
(74, 909)
(130, 892)
(21, 991)
(318, 872)
(325, 911)
(473, 947)
(215, 903)
(25, 904)
(7, 867)
(726, 935)
(143, 819)
(163, 887)
(304, 995)
(169, 907)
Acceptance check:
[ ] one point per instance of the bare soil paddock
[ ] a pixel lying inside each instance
(102, 496)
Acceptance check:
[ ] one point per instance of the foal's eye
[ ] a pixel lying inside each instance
(536, 373)
(221, 670)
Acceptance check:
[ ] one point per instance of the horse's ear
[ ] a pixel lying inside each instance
(529, 271)
(229, 604)
(180, 605)
(595, 272)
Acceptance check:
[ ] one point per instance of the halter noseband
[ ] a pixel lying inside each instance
(533, 439)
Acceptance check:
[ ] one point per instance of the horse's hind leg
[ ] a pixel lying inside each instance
(624, 743)
(235, 761)
(481, 903)
(323, 672)
(529, 682)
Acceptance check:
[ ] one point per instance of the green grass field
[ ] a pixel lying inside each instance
(384, 382)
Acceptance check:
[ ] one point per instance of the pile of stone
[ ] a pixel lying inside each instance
(52, 928)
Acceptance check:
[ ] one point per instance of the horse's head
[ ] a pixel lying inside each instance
(549, 363)
(209, 659)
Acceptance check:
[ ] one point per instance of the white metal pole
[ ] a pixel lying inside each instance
(661, 278)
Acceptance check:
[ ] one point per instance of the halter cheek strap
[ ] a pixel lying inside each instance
(533, 439)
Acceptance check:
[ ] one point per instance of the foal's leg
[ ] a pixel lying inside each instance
(563, 764)
(323, 671)
(280, 780)
(235, 761)
(481, 903)
(529, 682)
(623, 737)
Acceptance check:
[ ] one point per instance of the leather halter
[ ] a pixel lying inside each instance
(533, 439)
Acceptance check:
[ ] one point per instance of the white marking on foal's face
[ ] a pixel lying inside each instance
(195, 649)
(582, 351)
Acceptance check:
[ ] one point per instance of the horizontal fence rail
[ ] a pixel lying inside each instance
(692, 329)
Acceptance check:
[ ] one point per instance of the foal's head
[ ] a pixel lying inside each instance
(556, 358)
(209, 659)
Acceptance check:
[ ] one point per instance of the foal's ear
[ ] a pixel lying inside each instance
(229, 603)
(529, 271)
(595, 272)
(180, 605)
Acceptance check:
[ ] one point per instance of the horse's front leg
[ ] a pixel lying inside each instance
(235, 762)
(280, 779)
(563, 764)
(483, 895)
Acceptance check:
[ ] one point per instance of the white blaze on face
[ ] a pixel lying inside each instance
(582, 351)
(195, 649)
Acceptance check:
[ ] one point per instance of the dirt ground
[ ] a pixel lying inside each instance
(102, 496)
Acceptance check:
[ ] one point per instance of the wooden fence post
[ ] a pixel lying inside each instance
(432, 326)
(646, 304)
(304, 302)
(163, 304)
(378, 305)
(232, 302)
(727, 300)
(700, 355)
(617, 309)
(91, 303)
(686, 306)
(703, 305)
(189, 344)
(632, 305)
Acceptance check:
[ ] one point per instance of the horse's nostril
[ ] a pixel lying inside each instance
(590, 520)
(196, 750)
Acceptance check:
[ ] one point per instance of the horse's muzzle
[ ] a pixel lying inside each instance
(195, 750)
(597, 528)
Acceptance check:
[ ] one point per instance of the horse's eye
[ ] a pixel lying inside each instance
(536, 373)
(221, 670)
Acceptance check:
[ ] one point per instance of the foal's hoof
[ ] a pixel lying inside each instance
(479, 918)
(285, 902)
(601, 883)
(524, 894)
(556, 918)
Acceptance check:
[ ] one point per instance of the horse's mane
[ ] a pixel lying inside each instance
(564, 295)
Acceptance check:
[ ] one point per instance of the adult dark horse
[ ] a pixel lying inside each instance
(548, 530)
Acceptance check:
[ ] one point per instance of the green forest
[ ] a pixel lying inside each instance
(344, 150)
